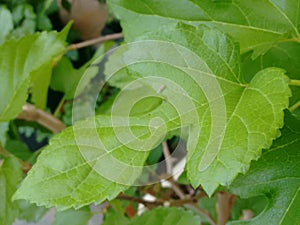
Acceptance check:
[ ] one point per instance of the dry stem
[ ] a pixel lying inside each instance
(47, 120)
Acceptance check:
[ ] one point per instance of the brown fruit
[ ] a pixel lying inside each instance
(89, 17)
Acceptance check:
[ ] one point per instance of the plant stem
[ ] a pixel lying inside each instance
(95, 41)
(202, 212)
(139, 200)
(160, 202)
(47, 120)
(59, 106)
(224, 206)
(295, 83)
(295, 106)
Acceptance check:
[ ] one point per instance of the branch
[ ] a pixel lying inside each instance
(224, 206)
(295, 82)
(139, 200)
(30, 113)
(160, 202)
(202, 212)
(95, 41)
(295, 106)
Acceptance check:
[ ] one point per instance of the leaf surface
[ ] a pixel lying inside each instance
(192, 77)
(65, 78)
(19, 61)
(30, 212)
(255, 24)
(159, 216)
(276, 176)
(10, 177)
(6, 23)
(283, 55)
(102, 164)
(74, 217)
(165, 215)
(229, 122)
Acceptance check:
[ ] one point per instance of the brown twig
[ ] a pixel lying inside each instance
(47, 120)
(95, 41)
(160, 202)
(224, 206)
(140, 200)
(202, 212)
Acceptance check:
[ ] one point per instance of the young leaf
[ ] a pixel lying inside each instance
(19, 61)
(10, 177)
(276, 175)
(255, 24)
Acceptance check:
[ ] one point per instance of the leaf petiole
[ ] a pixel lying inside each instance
(295, 83)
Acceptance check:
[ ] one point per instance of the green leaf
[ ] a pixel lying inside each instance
(255, 204)
(65, 78)
(40, 86)
(276, 176)
(19, 61)
(10, 177)
(231, 117)
(159, 216)
(101, 167)
(74, 217)
(255, 24)
(115, 217)
(163, 215)
(283, 55)
(196, 75)
(24, 20)
(3, 129)
(30, 212)
(18, 149)
(6, 23)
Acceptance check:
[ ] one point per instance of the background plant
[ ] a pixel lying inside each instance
(220, 76)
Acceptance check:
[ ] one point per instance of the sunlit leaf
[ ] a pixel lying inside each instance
(198, 82)
(255, 24)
